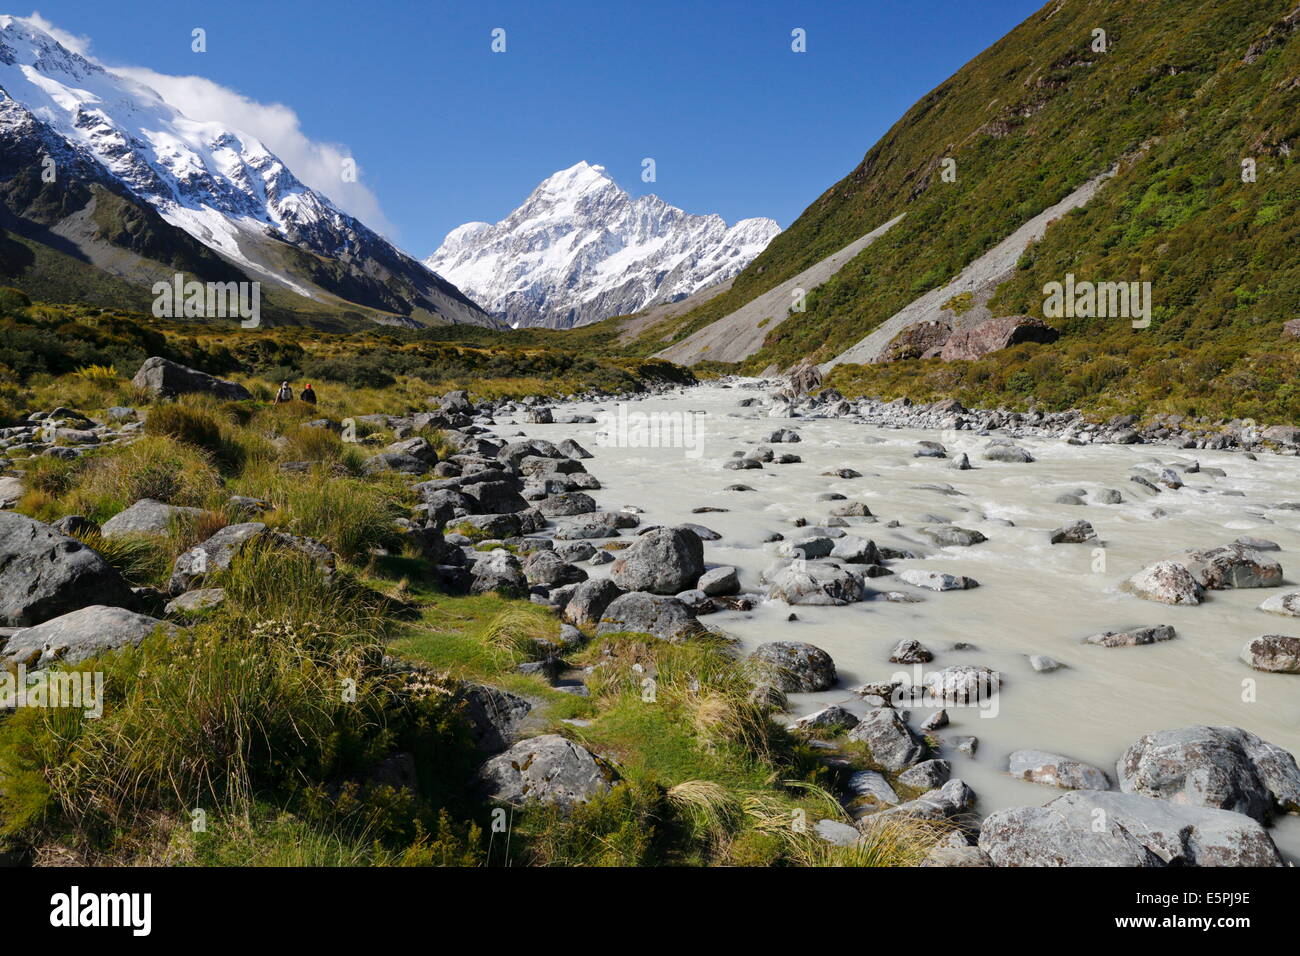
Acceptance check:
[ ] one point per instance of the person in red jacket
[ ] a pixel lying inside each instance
(307, 395)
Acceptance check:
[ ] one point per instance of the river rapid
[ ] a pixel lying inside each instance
(1033, 598)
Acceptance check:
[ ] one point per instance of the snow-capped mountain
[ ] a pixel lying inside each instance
(216, 184)
(580, 249)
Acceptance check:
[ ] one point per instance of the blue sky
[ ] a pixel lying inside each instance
(446, 131)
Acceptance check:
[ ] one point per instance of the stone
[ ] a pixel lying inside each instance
(892, 743)
(212, 555)
(589, 600)
(910, 652)
(1132, 636)
(963, 683)
(567, 504)
(936, 580)
(148, 516)
(494, 716)
(498, 570)
(11, 491)
(992, 335)
(167, 379)
(547, 567)
(957, 856)
(951, 536)
(801, 583)
(953, 799)
(720, 581)
(80, 635)
(44, 574)
(837, 833)
(496, 497)
(1012, 454)
(640, 612)
(792, 667)
(1166, 582)
(926, 775)
(394, 461)
(195, 602)
(549, 769)
(1226, 768)
(1233, 566)
(1098, 828)
(1054, 770)
(1078, 532)
(662, 561)
(1275, 653)
(832, 717)
(870, 788)
(1044, 664)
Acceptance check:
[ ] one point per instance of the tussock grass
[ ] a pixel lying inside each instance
(156, 467)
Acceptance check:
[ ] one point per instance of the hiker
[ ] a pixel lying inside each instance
(285, 394)
(307, 395)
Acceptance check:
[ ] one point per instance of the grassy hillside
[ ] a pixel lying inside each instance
(1184, 92)
(44, 347)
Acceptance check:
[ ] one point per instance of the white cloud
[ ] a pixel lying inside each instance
(316, 163)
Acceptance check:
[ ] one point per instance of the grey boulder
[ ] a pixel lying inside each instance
(80, 635)
(44, 574)
(549, 769)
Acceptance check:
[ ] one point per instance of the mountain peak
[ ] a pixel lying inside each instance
(580, 249)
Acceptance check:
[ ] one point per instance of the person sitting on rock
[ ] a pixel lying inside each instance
(307, 395)
(285, 394)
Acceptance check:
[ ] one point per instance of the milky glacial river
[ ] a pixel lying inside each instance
(1034, 597)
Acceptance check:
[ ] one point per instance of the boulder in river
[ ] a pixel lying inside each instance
(1055, 770)
(1012, 454)
(662, 561)
(793, 667)
(803, 583)
(1132, 636)
(1099, 828)
(1287, 605)
(1167, 582)
(936, 580)
(1077, 532)
(1275, 653)
(1232, 566)
(952, 536)
(1222, 767)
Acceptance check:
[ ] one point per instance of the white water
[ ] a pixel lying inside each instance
(1034, 598)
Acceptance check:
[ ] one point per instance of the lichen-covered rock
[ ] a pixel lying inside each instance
(1232, 566)
(1225, 768)
(1096, 828)
(549, 769)
(494, 715)
(589, 600)
(793, 667)
(1132, 636)
(992, 335)
(499, 571)
(1275, 653)
(1167, 582)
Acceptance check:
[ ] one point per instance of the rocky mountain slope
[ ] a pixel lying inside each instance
(136, 191)
(1192, 105)
(580, 249)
